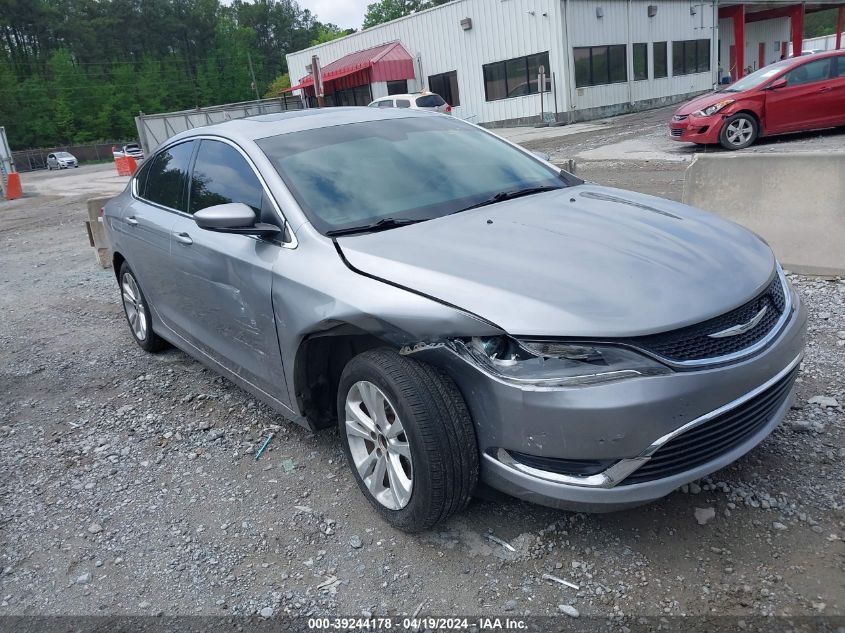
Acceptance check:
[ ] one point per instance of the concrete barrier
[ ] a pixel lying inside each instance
(796, 202)
(97, 232)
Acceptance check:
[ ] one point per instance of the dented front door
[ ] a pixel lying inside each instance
(224, 302)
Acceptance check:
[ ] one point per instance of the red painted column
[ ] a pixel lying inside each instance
(797, 19)
(839, 24)
(739, 38)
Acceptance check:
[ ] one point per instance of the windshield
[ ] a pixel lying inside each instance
(63, 155)
(759, 77)
(416, 168)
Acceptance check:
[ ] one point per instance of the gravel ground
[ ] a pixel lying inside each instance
(129, 485)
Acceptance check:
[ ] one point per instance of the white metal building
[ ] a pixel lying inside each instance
(600, 57)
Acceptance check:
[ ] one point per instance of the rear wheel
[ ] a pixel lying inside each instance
(408, 438)
(137, 312)
(738, 131)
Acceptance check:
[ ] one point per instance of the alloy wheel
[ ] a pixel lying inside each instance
(379, 445)
(739, 131)
(134, 306)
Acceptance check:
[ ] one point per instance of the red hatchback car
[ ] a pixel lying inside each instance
(792, 95)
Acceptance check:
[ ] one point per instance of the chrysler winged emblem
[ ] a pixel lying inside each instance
(742, 327)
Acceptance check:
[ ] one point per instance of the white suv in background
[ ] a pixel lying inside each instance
(416, 100)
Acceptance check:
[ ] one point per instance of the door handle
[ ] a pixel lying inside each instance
(184, 238)
(825, 89)
(131, 221)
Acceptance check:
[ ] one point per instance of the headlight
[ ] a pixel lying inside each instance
(713, 109)
(552, 364)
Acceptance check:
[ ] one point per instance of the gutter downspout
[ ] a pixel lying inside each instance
(629, 63)
(569, 77)
(714, 44)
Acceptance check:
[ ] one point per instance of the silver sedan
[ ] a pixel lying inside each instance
(463, 311)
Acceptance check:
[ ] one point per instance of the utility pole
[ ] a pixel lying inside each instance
(252, 74)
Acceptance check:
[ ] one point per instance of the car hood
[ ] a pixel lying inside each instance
(580, 261)
(701, 102)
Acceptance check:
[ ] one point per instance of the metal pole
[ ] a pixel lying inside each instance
(252, 74)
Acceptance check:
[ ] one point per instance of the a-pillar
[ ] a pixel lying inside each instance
(840, 23)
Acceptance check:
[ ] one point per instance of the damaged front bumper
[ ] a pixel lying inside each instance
(587, 447)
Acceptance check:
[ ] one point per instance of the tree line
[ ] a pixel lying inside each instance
(78, 71)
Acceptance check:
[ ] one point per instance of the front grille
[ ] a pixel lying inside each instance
(694, 343)
(677, 131)
(715, 437)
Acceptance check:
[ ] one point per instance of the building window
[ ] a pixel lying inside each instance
(599, 65)
(690, 56)
(357, 96)
(661, 65)
(514, 77)
(640, 62)
(398, 87)
(446, 85)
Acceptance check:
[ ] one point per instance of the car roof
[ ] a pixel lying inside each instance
(407, 95)
(266, 125)
(815, 56)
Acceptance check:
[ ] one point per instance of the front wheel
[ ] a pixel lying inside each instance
(738, 131)
(408, 438)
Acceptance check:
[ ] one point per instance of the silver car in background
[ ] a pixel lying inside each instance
(61, 160)
(464, 312)
(416, 101)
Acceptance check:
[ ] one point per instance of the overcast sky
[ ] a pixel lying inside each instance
(345, 13)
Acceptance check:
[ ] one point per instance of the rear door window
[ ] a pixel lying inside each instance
(429, 101)
(222, 175)
(403, 103)
(840, 66)
(167, 177)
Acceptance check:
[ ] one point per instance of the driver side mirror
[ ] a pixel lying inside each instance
(776, 85)
(233, 217)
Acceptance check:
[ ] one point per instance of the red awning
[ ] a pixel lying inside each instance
(387, 62)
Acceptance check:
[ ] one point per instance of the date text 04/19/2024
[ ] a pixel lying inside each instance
(416, 623)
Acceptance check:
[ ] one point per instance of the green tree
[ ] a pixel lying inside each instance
(386, 10)
(329, 32)
(277, 86)
(80, 70)
(820, 23)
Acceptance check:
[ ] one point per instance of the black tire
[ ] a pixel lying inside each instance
(738, 131)
(151, 342)
(438, 428)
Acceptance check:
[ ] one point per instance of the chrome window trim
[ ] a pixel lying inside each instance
(625, 467)
(286, 227)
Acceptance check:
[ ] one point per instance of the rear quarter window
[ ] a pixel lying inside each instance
(387, 103)
(430, 101)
